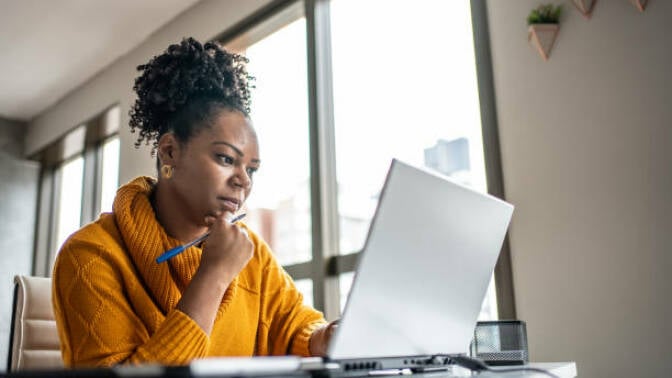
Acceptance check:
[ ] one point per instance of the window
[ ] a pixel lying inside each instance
(413, 90)
(69, 207)
(335, 75)
(109, 173)
(279, 208)
(280, 201)
(79, 179)
(305, 286)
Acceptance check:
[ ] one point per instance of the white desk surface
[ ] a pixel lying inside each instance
(251, 366)
(560, 369)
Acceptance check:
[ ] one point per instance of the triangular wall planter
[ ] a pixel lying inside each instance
(542, 38)
(640, 4)
(585, 7)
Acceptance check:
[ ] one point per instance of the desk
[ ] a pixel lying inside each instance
(562, 370)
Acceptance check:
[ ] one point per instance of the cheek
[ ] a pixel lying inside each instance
(221, 175)
(197, 179)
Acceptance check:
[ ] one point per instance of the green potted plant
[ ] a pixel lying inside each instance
(543, 27)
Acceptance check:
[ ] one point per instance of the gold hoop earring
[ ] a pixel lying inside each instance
(166, 171)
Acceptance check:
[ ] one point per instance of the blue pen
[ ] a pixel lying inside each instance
(179, 249)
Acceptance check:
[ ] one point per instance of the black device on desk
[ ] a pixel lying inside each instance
(500, 342)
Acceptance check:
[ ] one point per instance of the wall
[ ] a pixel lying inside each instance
(114, 85)
(11, 134)
(587, 156)
(18, 194)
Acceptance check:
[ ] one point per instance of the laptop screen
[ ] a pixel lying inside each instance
(424, 271)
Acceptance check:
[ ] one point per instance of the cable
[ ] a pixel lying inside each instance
(477, 365)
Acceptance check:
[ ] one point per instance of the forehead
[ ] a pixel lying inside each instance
(231, 127)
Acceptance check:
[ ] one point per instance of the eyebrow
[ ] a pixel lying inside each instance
(238, 151)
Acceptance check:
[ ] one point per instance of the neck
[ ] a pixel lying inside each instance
(173, 215)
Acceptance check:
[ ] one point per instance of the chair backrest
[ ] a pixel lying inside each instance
(33, 338)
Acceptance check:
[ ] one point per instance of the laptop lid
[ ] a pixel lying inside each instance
(424, 271)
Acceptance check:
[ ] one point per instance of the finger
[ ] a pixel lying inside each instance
(331, 328)
(210, 220)
(221, 222)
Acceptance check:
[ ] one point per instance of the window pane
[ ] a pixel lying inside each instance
(305, 286)
(279, 206)
(412, 89)
(110, 173)
(70, 202)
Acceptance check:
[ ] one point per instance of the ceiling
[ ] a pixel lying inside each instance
(48, 48)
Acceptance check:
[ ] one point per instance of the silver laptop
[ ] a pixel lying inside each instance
(425, 268)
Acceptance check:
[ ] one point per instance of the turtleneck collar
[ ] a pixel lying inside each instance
(146, 239)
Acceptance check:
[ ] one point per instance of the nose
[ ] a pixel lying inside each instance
(242, 179)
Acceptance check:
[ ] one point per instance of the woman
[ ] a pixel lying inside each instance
(228, 296)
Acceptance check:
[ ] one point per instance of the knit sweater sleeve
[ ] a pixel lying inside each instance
(97, 324)
(290, 323)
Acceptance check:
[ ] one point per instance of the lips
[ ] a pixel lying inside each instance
(230, 203)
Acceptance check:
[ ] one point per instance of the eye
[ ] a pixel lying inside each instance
(226, 159)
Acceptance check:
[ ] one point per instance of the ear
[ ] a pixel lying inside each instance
(168, 149)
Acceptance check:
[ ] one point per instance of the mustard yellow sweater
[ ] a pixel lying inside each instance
(114, 304)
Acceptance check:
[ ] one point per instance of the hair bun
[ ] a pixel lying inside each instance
(185, 73)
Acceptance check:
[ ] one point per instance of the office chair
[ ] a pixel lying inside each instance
(33, 338)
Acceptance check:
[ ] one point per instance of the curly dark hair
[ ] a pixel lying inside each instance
(183, 88)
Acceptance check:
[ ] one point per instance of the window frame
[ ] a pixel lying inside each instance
(327, 264)
(94, 133)
(506, 303)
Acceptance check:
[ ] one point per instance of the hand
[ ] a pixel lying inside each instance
(225, 253)
(228, 248)
(319, 340)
